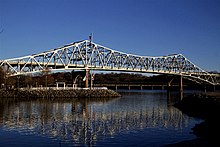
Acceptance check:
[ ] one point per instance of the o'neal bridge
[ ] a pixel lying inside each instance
(87, 55)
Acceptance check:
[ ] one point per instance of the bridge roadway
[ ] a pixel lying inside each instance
(141, 86)
(87, 55)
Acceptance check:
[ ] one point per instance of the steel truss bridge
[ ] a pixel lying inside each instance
(88, 55)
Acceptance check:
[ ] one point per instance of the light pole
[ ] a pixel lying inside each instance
(74, 83)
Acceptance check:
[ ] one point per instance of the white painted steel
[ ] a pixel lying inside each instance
(89, 55)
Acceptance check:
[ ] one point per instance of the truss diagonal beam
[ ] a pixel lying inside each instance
(89, 55)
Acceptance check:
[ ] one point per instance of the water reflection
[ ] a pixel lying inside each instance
(85, 121)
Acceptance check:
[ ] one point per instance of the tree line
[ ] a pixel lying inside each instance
(48, 79)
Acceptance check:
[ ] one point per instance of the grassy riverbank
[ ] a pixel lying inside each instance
(207, 107)
(53, 93)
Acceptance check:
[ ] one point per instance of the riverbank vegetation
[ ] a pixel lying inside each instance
(48, 79)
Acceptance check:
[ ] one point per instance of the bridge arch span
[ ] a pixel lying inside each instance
(89, 55)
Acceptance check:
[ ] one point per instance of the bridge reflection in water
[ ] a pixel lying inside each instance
(86, 121)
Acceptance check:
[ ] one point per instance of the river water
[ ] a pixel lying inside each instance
(138, 118)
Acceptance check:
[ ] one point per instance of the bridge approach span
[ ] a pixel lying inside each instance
(88, 55)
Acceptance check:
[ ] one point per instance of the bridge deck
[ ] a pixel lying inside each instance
(91, 56)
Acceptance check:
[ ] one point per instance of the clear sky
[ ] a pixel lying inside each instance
(142, 27)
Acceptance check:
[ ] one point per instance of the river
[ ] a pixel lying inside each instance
(138, 118)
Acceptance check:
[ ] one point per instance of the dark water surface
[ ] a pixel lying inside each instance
(139, 118)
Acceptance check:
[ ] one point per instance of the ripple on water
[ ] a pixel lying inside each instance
(136, 119)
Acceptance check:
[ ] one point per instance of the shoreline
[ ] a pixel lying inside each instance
(205, 106)
(58, 93)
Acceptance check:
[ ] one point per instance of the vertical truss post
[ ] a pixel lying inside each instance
(86, 54)
(81, 54)
(54, 60)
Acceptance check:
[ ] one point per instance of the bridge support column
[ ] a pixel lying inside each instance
(87, 79)
(181, 87)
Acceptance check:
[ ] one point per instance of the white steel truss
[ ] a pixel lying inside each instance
(89, 55)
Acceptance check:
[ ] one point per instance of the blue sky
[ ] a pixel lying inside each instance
(142, 27)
